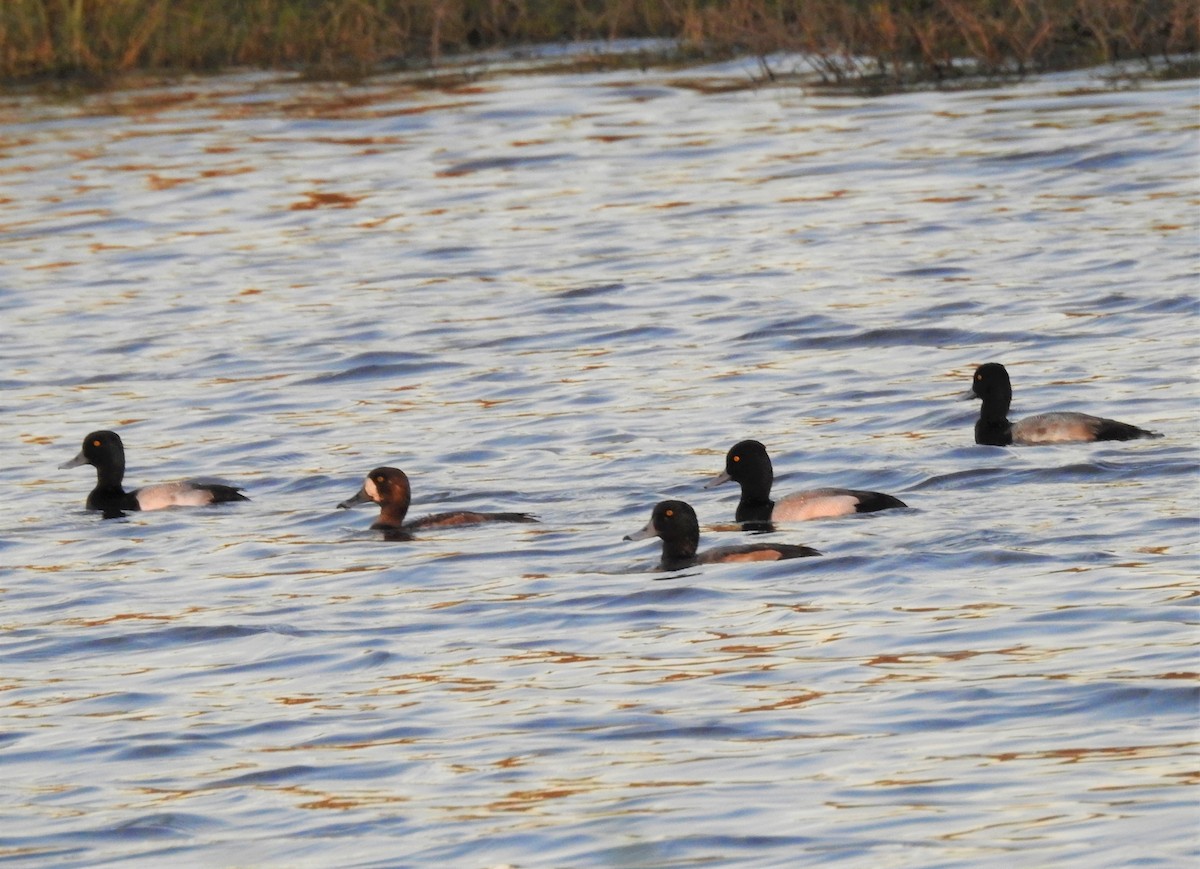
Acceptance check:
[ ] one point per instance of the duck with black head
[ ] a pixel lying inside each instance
(992, 384)
(748, 464)
(390, 489)
(675, 523)
(105, 451)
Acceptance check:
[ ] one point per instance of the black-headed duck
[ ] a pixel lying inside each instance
(748, 464)
(675, 522)
(104, 451)
(991, 383)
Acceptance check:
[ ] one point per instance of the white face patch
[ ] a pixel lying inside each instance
(371, 490)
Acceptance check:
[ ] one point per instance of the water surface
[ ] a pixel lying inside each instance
(570, 294)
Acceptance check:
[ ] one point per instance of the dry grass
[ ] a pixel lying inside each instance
(894, 41)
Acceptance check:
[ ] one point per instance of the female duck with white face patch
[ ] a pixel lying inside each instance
(389, 488)
(675, 523)
(104, 451)
(991, 383)
(748, 464)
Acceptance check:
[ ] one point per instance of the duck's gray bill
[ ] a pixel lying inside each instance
(80, 459)
(359, 497)
(718, 480)
(648, 531)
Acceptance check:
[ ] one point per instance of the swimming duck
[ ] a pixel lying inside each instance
(991, 383)
(389, 488)
(748, 464)
(104, 451)
(675, 522)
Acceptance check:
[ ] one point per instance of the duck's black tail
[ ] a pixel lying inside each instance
(1111, 430)
(871, 502)
(221, 494)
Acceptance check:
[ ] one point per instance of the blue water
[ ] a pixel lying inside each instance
(570, 294)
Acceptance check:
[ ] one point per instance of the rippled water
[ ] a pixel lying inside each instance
(570, 294)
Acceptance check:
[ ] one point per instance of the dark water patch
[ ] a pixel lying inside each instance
(367, 660)
(894, 337)
(1046, 158)
(931, 229)
(470, 457)
(1113, 302)
(155, 751)
(390, 358)
(835, 560)
(593, 291)
(106, 226)
(232, 734)
(446, 253)
(578, 310)
(1113, 159)
(284, 661)
(364, 373)
(118, 377)
(1186, 304)
(637, 600)
(657, 731)
(1135, 187)
(85, 644)
(1106, 266)
(849, 169)
(278, 776)
(815, 324)
(1097, 469)
(163, 824)
(947, 309)
(470, 167)
(649, 334)
(1127, 701)
(221, 422)
(135, 345)
(983, 558)
(712, 211)
(932, 272)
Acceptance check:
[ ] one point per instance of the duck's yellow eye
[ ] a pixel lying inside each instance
(737, 458)
(379, 478)
(979, 377)
(670, 513)
(95, 443)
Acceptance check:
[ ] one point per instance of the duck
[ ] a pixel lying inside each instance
(992, 384)
(748, 463)
(676, 524)
(390, 489)
(105, 451)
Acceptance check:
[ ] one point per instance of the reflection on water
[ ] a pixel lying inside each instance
(568, 295)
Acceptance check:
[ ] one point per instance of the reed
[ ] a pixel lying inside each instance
(898, 41)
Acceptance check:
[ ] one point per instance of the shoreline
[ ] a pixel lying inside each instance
(871, 47)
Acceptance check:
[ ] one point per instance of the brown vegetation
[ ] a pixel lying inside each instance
(895, 41)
